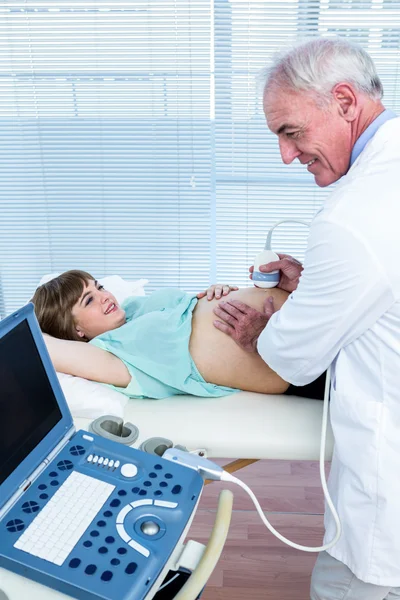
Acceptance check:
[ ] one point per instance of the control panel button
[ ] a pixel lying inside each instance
(146, 502)
(150, 528)
(122, 513)
(122, 533)
(129, 470)
(165, 504)
(139, 548)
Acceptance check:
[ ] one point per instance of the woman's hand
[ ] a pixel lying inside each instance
(217, 291)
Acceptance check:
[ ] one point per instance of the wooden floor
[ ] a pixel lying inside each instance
(254, 564)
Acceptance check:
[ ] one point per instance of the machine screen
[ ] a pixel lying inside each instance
(28, 407)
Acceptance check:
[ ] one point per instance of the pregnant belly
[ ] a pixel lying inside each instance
(220, 360)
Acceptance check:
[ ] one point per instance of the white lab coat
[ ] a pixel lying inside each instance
(346, 311)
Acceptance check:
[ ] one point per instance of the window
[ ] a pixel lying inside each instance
(133, 139)
(106, 151)
(254, 189)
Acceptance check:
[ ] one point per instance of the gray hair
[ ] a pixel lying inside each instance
(319, 64)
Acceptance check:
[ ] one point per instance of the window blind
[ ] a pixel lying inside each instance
(253, 188)
(133, 139)
(105, 142)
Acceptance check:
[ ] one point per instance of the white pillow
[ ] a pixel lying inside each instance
(90, 399)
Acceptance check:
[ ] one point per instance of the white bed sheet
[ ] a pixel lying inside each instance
(242, 425)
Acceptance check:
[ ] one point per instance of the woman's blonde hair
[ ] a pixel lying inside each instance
(55, 300)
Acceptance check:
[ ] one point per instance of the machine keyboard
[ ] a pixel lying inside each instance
(60, 524)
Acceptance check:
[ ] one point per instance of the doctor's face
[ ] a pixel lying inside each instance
(96, 311)
(320, 138)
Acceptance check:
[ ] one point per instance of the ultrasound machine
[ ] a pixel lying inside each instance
(80, 515)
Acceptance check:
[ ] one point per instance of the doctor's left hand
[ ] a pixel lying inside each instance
(242, 322)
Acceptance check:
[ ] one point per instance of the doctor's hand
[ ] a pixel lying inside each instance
(290, 270)
(242, 322)
(217, 290)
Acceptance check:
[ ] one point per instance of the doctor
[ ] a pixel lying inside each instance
(323, 101)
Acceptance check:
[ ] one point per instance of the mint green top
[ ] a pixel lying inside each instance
(154, 346)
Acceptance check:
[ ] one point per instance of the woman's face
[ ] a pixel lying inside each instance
(96, 311)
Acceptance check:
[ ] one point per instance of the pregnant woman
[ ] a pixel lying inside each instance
(153, 346)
